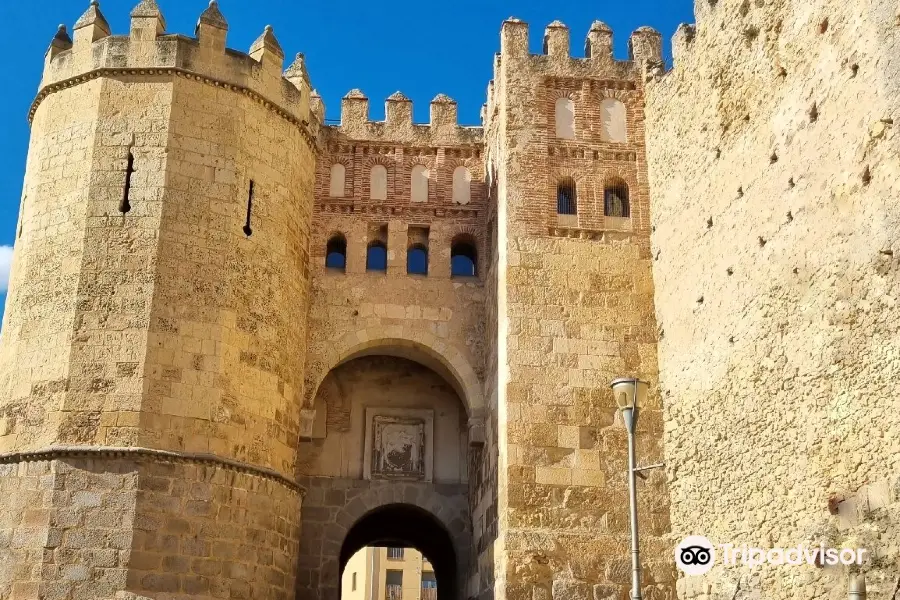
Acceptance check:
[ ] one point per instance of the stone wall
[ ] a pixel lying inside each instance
(173, 326)
(151, 310)
(575, 311)
(96, 525)
(773, 163)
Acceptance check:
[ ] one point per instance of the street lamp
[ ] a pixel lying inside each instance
(630, 393)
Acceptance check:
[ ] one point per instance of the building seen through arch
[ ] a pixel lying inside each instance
(388, 573)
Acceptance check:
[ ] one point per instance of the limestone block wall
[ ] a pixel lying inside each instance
(158, 302)
(773, 163)
(94, 526)
(45, 280)
(175, 326)
(574, 297)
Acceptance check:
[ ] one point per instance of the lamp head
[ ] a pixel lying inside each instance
(629, 392)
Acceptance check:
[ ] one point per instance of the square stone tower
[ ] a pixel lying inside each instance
(572, 307)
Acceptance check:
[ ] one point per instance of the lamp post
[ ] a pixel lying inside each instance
(629, 393)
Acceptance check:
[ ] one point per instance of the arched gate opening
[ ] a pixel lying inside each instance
(407, 526)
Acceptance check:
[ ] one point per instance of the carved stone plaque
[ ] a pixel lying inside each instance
(399, 444)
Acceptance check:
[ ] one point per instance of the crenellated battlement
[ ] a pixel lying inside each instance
(644, 50)
(443, 128)
(147, 51)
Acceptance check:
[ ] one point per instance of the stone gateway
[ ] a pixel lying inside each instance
(241, 344)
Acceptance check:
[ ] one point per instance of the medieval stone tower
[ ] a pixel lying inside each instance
(240, 343)
(151, 390)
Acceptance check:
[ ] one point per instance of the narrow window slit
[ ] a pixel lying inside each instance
(248, 231)
(125, 205)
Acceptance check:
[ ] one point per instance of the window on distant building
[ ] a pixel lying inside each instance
(395, 553)
(393, 585)
(429, 586)
(353, 583)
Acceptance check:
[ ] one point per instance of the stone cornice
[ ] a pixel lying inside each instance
(605, 235)
(150, 455)
(45, 91)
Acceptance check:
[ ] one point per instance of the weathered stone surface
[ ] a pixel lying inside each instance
(171, 291)
(780, 388)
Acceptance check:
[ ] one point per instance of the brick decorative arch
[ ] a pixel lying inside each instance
(332, 506)
(417, 344)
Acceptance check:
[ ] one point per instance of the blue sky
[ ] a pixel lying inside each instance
(420, 48)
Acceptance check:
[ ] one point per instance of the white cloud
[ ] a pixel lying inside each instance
(6, 253)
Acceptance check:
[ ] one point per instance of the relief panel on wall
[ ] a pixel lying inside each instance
(399, 444)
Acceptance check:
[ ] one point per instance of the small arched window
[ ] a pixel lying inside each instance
(378, 183)
(565, 119)
(376, 257)
(418, 184)
(417, 260)
(566, 199)
(336, 185)
(463, 257)
(614, 116)
(615, 199)
(462, 185)
(336, 253)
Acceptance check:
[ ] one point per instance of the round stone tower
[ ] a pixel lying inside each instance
(151, 359)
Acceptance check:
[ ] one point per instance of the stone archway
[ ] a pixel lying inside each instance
(333, 507)
(418, 345)
(408, 526)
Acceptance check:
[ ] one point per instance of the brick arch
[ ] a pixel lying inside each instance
(343, 160)
(333, 506)
(624, 96)
(629, 176)
(579, 175)
(385, 160)
(419, 345)
(562, 93)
